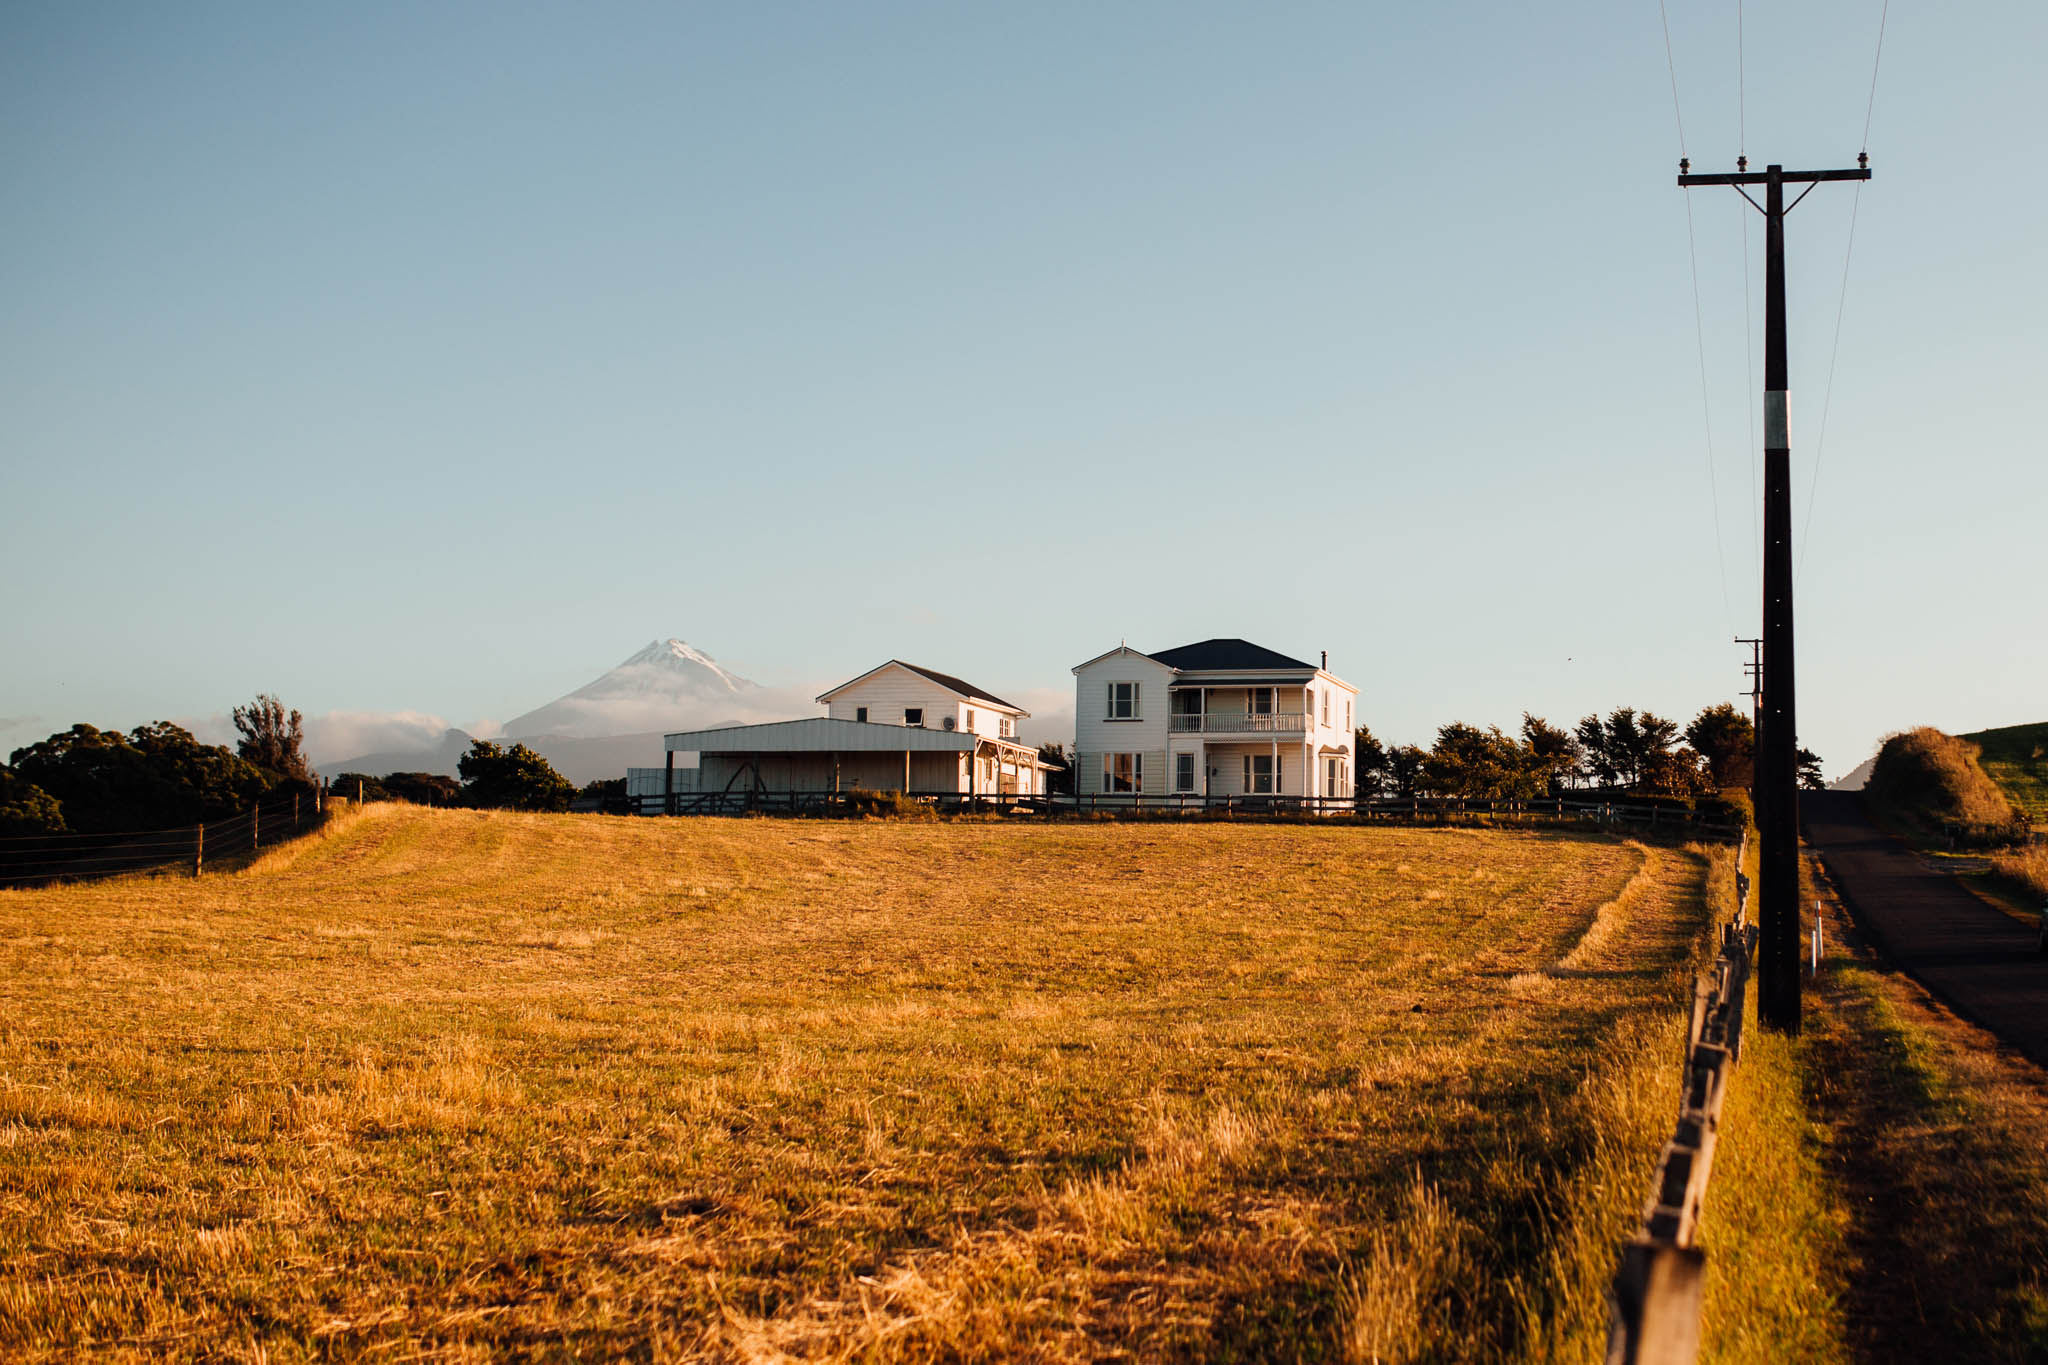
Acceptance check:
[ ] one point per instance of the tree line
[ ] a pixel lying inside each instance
(1630, 751)
(85, 780)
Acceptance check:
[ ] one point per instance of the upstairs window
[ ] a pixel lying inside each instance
(1326, 708)
(970, 720)
(1259, 701)
(860, 713)
(1123, 701)
(1006, 727)
(914, 715)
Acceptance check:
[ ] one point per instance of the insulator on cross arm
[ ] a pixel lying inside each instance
(1685, 165)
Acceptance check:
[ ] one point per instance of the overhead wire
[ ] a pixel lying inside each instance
(1841, 299)
(1699, 327)
(1751, 435)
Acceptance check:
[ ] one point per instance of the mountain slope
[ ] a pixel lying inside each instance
(669, 685)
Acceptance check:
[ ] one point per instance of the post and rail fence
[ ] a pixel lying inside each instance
(37, 860)
(1649, 815)
(1657, 1290)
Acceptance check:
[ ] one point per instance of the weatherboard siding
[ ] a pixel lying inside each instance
(890, 692)
(1088, 767)
(1095, 733)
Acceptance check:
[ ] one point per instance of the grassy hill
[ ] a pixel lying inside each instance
(2016, 757)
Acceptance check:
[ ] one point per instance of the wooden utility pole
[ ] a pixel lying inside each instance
(1777, 741)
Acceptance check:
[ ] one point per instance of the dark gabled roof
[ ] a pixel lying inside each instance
(1211, 655)
(960, 685)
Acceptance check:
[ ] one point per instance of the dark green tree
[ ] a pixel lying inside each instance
(1596, 753)
(26, 808)
(359, 787)
(155, 777)
(1404, 770)
(1554, 752)
(511, 779)
(1059, 776)
(424, 789)
(272, 738)
(1726, 739)
(1369, 763)
(1810, 778)
(1481, 764)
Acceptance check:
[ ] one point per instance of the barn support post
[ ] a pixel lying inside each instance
(668, 785)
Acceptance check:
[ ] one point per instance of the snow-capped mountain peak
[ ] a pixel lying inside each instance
(678, 656)
(669, 685)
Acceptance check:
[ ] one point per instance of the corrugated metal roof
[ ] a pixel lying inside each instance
(818, 734)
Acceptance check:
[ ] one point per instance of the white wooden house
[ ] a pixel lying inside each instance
(896, 727)
(1217, 718)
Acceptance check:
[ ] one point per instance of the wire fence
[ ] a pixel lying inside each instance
(38, 860)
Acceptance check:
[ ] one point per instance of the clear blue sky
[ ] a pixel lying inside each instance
(437, 357)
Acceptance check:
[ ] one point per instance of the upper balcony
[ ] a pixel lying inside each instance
(1257, 723)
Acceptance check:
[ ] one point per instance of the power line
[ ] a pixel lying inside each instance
(1841, 299)
(1741, 99)
(1749, 410)
(1699, 327)
(1699, 332)
(1820, 448)
(1871, 106)
(1671, 65)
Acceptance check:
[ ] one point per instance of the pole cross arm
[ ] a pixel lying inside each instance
(1687, 182)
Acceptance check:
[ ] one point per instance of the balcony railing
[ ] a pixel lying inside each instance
(1268, 723)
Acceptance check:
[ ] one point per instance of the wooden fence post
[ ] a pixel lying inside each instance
(256, 827)
(199, 849)
(1657, 1305)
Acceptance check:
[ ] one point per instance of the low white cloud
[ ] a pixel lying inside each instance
(338, 735)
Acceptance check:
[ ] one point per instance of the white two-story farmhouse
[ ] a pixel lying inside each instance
(896, 727)
(1219, 718)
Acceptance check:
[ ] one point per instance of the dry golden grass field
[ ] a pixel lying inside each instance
(463, 1086)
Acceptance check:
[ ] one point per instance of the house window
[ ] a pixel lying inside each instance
(1183, 772)
(860, 713)
(1347, 713)
(1260, 702)
(1334, 773)
(1123, 701)
(1258, 774)
(1006, 727)
(913, 715)
(1123, 772)
(1326, 708)
(970, 720)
